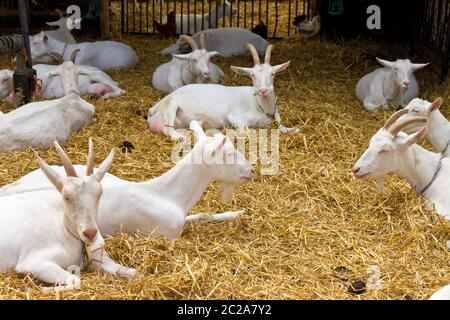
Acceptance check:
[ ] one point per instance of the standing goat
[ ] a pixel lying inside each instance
(160, 206)
(394, 84)
(191, 23)
(105, 55)
(38, 124)
(219, 106)
(91, 81)
(226, 41)
(392, 151)
(438, 132)
(63, 33)
(188, 68)
(42, 233)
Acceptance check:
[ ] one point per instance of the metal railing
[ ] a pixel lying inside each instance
(137, 15)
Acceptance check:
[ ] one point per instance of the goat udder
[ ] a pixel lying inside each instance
(156, 124)
(99, 89)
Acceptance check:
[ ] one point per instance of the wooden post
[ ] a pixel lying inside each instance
(104, 19)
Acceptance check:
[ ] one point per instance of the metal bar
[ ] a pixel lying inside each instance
(160, 11)
(134, 16)
(140, 16)
(146, 15)
(203, 14)
(153, 16)
(231, 14)
(188, 17)
(238, 12)
(195, 16)
(289, 19)
(276, 19)
(267, 17)
(259, 11)
(25, 30)
(181, 17)
(245, 14)
(122, 16)
(253, 13)
(223, 15)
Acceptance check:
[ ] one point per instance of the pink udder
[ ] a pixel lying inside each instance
(99, 89)
(157, 124)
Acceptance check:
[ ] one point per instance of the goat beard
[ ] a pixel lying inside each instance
(380, 184)
(226, 191)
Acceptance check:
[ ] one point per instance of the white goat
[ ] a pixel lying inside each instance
(442, 294)
(41, 233)
(219, 106)
(392, 151)
(226, 41)
(188, 68)
(63, 33)
(395, 84)
(438, 132)
(160, 206)
(105, 55)
(38, 124)
(91, 81)
(193, 23)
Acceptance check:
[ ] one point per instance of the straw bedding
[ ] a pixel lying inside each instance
(303, 226)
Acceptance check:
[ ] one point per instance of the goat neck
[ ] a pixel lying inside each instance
(267, 104)
(438, 127)
(184, 184)
(418, 166)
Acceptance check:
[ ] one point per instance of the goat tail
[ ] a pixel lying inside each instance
(11, 43)
(218, 217)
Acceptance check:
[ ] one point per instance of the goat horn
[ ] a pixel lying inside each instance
(202, 41)
(68, 166)
(59, 13)
(90, 159)
(55, 55)
(74, 54)
(394, 118)
(253, 52)
(397, 127)
(189, 40)
(268, 54)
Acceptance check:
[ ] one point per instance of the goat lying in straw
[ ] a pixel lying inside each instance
(160, 206)
(392, 151)
(184, 69)
(42, 232)
(218, 106)
(91, 81)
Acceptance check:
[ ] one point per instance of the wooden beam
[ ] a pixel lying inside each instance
(104, 19)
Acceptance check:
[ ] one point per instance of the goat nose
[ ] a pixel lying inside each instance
(90, 234)
(355, 170)
(406, 83)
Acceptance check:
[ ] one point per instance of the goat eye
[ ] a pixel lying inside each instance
(384, 151)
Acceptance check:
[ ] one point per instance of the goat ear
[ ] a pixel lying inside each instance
(54, 73)
(385, 63)
(83, 71)
(435, 105)
(418, 66)
(104, 167)
(185, 56)
(241, 70)
(281, 67)
(51, 174)
(415, 137)
(213, 54)
(198, 130)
